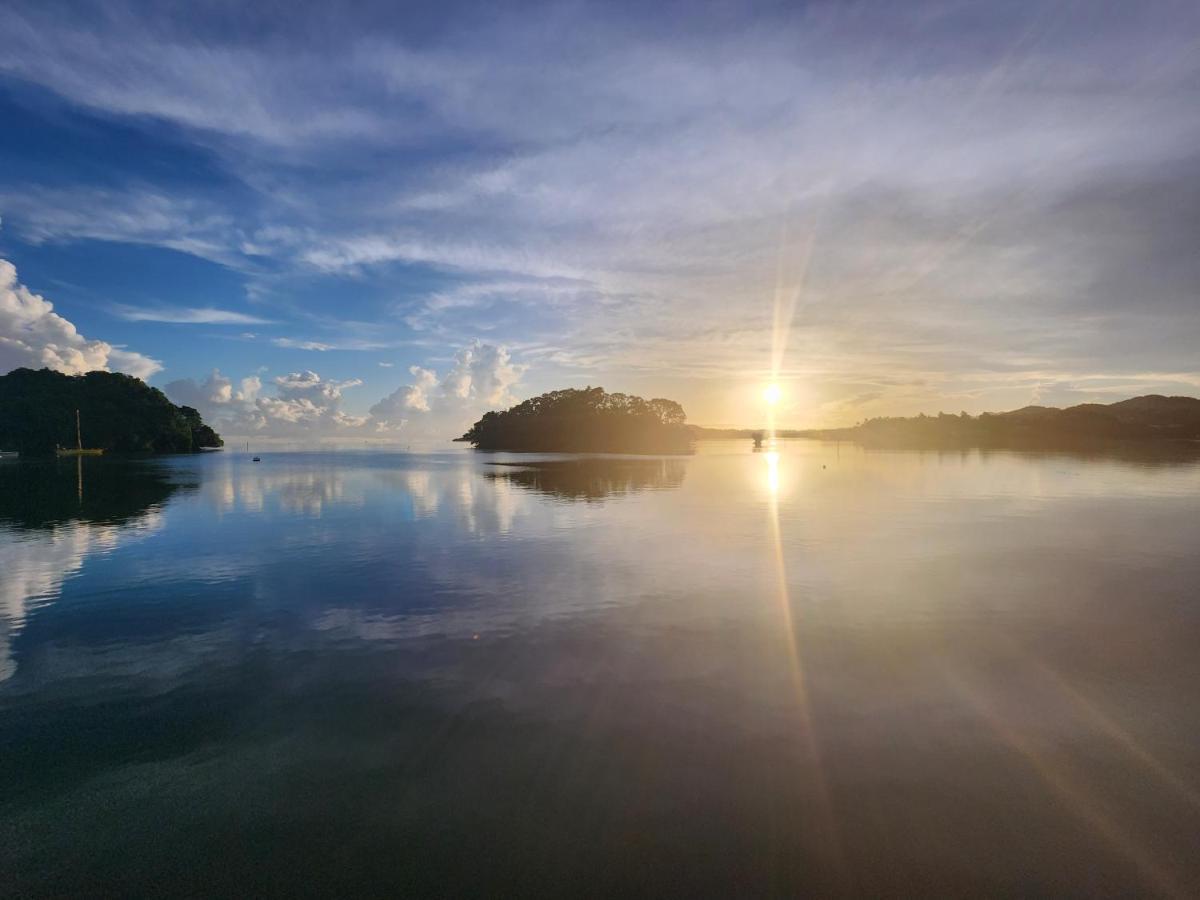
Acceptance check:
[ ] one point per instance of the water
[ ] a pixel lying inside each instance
(820, 670)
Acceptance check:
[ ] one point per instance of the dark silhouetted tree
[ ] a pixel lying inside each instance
(583, 420)
(117, 412)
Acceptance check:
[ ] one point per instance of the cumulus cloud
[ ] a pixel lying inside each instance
(251, 385)
(414, 396)
(33, 334)
(482, 376)
(303, 404)
(214, 392)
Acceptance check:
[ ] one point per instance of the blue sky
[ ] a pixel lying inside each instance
(376, 220)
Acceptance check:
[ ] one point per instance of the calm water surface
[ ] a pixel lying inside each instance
(820, 670)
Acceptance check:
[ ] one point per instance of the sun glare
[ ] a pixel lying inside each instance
(771, 394)
(772, 458)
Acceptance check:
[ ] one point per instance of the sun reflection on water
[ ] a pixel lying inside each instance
(810, 766)
(772, 458)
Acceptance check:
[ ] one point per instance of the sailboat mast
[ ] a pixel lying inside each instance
(78, 433)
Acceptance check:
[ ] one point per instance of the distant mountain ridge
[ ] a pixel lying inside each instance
(1150, 417)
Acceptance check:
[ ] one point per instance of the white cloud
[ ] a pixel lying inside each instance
(349, 343)
(302, 403)
(189, 316)
(309, 385)
(305, 404)
(416, 395)
(482, 372)
(133, 215)
(32, 334)
(293, 344)
(482, 377)
(251, 385)
(215, 394)
(216, 390)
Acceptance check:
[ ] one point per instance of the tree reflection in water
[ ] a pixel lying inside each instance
(53, 515)
(40, 494)
(593, 478)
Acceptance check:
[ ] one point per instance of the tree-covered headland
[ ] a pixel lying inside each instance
(1152, 417)
(117, 413)
(590, 420)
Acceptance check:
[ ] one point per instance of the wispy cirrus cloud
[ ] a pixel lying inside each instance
(987, 191)
(187, 316)
(352, 344)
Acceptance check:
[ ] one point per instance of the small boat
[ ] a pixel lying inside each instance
(9, 454)
(79, 450)
(256, 459)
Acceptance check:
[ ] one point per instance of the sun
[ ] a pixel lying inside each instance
(772, 393)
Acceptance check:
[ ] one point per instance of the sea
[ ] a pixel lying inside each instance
(816, 670)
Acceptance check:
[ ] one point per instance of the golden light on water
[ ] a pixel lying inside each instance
(772, 458)
(811, 762)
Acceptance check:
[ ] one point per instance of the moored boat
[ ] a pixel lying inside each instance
(79, 449)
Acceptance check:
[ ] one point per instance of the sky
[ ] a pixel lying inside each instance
(375, 221)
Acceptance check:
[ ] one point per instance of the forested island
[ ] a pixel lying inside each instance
(116, 412)
(588, 420)
(1152, 417)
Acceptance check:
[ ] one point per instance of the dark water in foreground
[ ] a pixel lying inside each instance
(821, 671)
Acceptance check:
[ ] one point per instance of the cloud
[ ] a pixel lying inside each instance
(303, 403)
(250, 387)
(482, 376)
(414, 396)
(355, 344)
(215, 392)
(985, 189)
(306, 405)
(32, 334)
(291, 344)
(309, 386)
(307, 400)
(482, 372)
(134, 214)
(189, 316)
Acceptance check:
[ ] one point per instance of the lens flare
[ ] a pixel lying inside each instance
(771, 394)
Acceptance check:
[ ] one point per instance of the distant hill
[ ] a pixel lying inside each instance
(118, 413)
(590, 420)
(1153, 417)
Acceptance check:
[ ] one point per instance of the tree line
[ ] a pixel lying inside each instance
(585, 420)
(117, 413)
